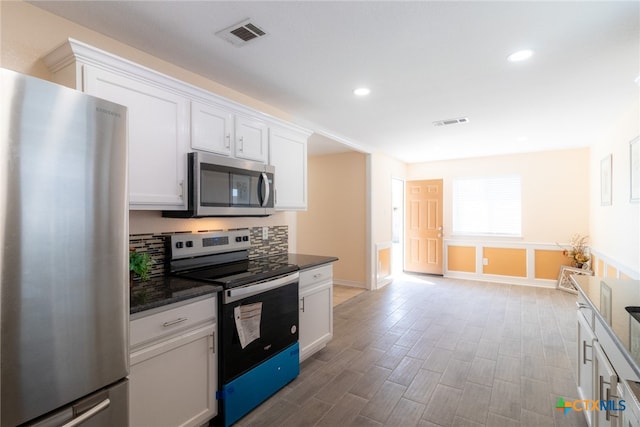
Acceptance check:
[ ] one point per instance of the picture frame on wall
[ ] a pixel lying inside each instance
(564, 282)
(634, 170)
(606, 166)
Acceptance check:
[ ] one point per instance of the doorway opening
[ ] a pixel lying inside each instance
(397, 226)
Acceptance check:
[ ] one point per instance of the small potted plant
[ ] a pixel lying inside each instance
(139, 265)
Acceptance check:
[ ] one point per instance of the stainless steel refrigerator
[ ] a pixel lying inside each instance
(64, 256)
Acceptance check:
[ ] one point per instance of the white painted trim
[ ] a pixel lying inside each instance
(510, 280)
(349, 283)
(610, 262)
(530, 247)
(369, 269)
(75, 51)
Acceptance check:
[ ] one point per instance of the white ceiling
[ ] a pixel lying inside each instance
(423, 60)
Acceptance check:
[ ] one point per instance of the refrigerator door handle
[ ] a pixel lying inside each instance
(89, 414)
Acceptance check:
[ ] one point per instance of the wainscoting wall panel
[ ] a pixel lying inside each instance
(535, 264)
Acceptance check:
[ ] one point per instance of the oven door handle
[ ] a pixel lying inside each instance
(235, 294)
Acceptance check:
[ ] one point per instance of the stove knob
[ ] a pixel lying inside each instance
(245, 238)
(189, 243)
(179, 245)
(238, 239)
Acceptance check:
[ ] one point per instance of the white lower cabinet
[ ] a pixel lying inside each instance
(606, 389)
(586, 340)
(173, 380)
(606, 400)
(316, 309)
(631, 414)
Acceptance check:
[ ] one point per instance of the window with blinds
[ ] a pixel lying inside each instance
(487, 206)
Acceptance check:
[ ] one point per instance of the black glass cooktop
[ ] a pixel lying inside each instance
(243, 272)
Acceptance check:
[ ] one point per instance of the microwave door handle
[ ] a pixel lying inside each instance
(267, 189)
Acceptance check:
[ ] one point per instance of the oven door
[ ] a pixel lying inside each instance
(257, 321)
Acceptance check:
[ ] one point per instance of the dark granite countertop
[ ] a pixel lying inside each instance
(166, 290)
(161, 291)
(610, 299)
(309, 261)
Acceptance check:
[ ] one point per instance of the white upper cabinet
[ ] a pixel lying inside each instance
(288, 153)
(211, 128)
(167, 118)
(158, 137)
(251, 139)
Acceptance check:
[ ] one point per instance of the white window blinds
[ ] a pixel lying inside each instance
(487, 206)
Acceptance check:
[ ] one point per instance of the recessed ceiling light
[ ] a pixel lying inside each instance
(362, 91)
(520, 55)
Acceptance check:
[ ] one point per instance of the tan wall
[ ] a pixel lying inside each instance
(28, 33)
(335, 222)
(544, 264)
(553, 209)
(505, 262)
(555, 191)
(461, 258)
(548, 263)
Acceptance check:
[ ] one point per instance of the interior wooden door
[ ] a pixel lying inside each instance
(423, 240)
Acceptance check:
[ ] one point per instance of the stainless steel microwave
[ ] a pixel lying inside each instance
(222, 186)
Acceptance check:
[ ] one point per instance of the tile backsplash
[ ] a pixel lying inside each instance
(155, 245)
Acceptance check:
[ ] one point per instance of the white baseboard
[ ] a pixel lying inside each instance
(351, 283)
(509, 280)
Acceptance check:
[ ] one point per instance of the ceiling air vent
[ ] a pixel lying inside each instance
(451, 121)
(241, 33)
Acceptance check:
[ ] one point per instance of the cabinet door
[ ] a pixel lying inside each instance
(606, 389)
(173, 383)
(586, 339)
(211, 128)
(288, 153)
(158, 137)
(316, 318)
(251, 139)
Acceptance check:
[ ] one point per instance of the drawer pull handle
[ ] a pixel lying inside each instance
(581, 305)
(317, 276)
(584, 352)
(173, 322)
(608, 413)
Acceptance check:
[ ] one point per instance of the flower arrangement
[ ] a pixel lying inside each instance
(579, 252)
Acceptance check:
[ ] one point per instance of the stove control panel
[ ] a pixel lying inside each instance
(198, 244)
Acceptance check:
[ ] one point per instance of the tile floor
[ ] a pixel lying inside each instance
(344, 293)
(428, 351)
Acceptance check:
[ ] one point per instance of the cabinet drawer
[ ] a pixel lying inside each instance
(316, 275)
(171, 321)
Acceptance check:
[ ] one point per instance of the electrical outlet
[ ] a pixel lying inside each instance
(485, 261)
(265, 233)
